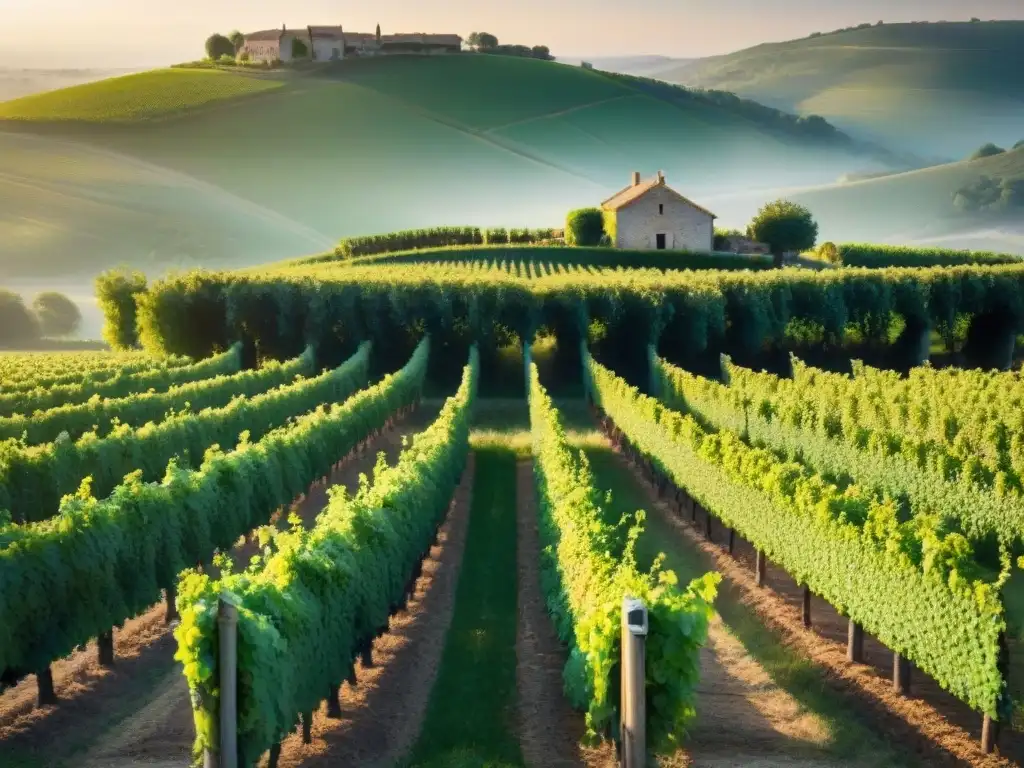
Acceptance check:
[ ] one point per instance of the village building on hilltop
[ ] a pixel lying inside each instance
(334, 44)
(649, 215)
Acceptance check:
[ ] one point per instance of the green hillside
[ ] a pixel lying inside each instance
(939, 88)
(361, 147)
(142, 96)
(918, 205)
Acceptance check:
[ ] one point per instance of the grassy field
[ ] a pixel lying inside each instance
(943, 89)
(142, 96)
(362, 147)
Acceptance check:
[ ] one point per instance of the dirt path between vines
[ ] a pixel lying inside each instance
(549, 729)
(912, 723)
(139, 712)
(382, 713)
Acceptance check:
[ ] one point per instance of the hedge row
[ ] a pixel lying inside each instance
(71, 578)
(877, 256)
(161, 378)
(193, 313)
(435, 238)
(588, 565)
(912, 584)
(33, 479)
(319, 597)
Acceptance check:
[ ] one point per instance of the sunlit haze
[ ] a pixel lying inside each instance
(127, 33)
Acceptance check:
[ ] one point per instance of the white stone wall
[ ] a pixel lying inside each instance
(327, 49)
(685, 228)
(264, 50)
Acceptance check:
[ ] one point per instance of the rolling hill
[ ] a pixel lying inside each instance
(932, 88)
(877, 209)
(226, 168)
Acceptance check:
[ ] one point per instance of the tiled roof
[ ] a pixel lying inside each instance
(634, 192)
(333, 33)
(408, 38)
(266, 34)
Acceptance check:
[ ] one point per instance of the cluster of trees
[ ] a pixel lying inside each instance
(991, 195)
(783, 226)
(51, 315)
(220, 46)
(485, 42)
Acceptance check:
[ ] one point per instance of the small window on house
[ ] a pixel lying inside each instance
(661, 208)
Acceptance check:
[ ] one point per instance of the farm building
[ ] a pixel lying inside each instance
(333, 43)
(650, 215)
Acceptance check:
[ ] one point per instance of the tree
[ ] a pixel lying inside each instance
(584, 226)
(1019, 144)
(541, 52)
(116, 292)
(987, 150)
(482, 41)
(784, 226)
(217, 46)
(828, 253)
(237, 39)
(299, 49)
(57, 314)
(378, 34)
(17, 324)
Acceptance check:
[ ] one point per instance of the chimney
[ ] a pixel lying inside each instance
(636, 178)
(661, 177)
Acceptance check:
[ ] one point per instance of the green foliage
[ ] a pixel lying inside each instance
(986, 150)
(587, 567)
(34, 370)
(57, 314)
(33, 479)
(584, 227)
(828, 253)
(116, 292)
(538, 260)
(881, 256)
(100, 415)
(299, 49)
(17, 323)
(482, 41)
(237, 40)
(784, 226)
(313, 303)
(991, 195)
(101, 562)
(315, 598)
(44, 395)
(217, 46)
(408, 240)
(143, 96)
(912, 584)
(948, 444)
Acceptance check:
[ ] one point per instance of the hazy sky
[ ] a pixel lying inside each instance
(115, 33)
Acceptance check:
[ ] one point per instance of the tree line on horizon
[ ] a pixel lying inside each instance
(51, 315)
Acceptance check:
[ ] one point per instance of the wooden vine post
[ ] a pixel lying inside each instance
(226, 754)
(633, 707)
(900, 674)
(854, 643)
(990, 726)
(759, 568)
(807, 606)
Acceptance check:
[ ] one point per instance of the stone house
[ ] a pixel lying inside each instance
(649, 215)
(326, 43)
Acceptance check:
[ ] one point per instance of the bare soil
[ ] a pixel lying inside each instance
(138, 712)
(929, 721)
(550, 731)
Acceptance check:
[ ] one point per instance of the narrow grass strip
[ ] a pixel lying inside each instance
(470, 720)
